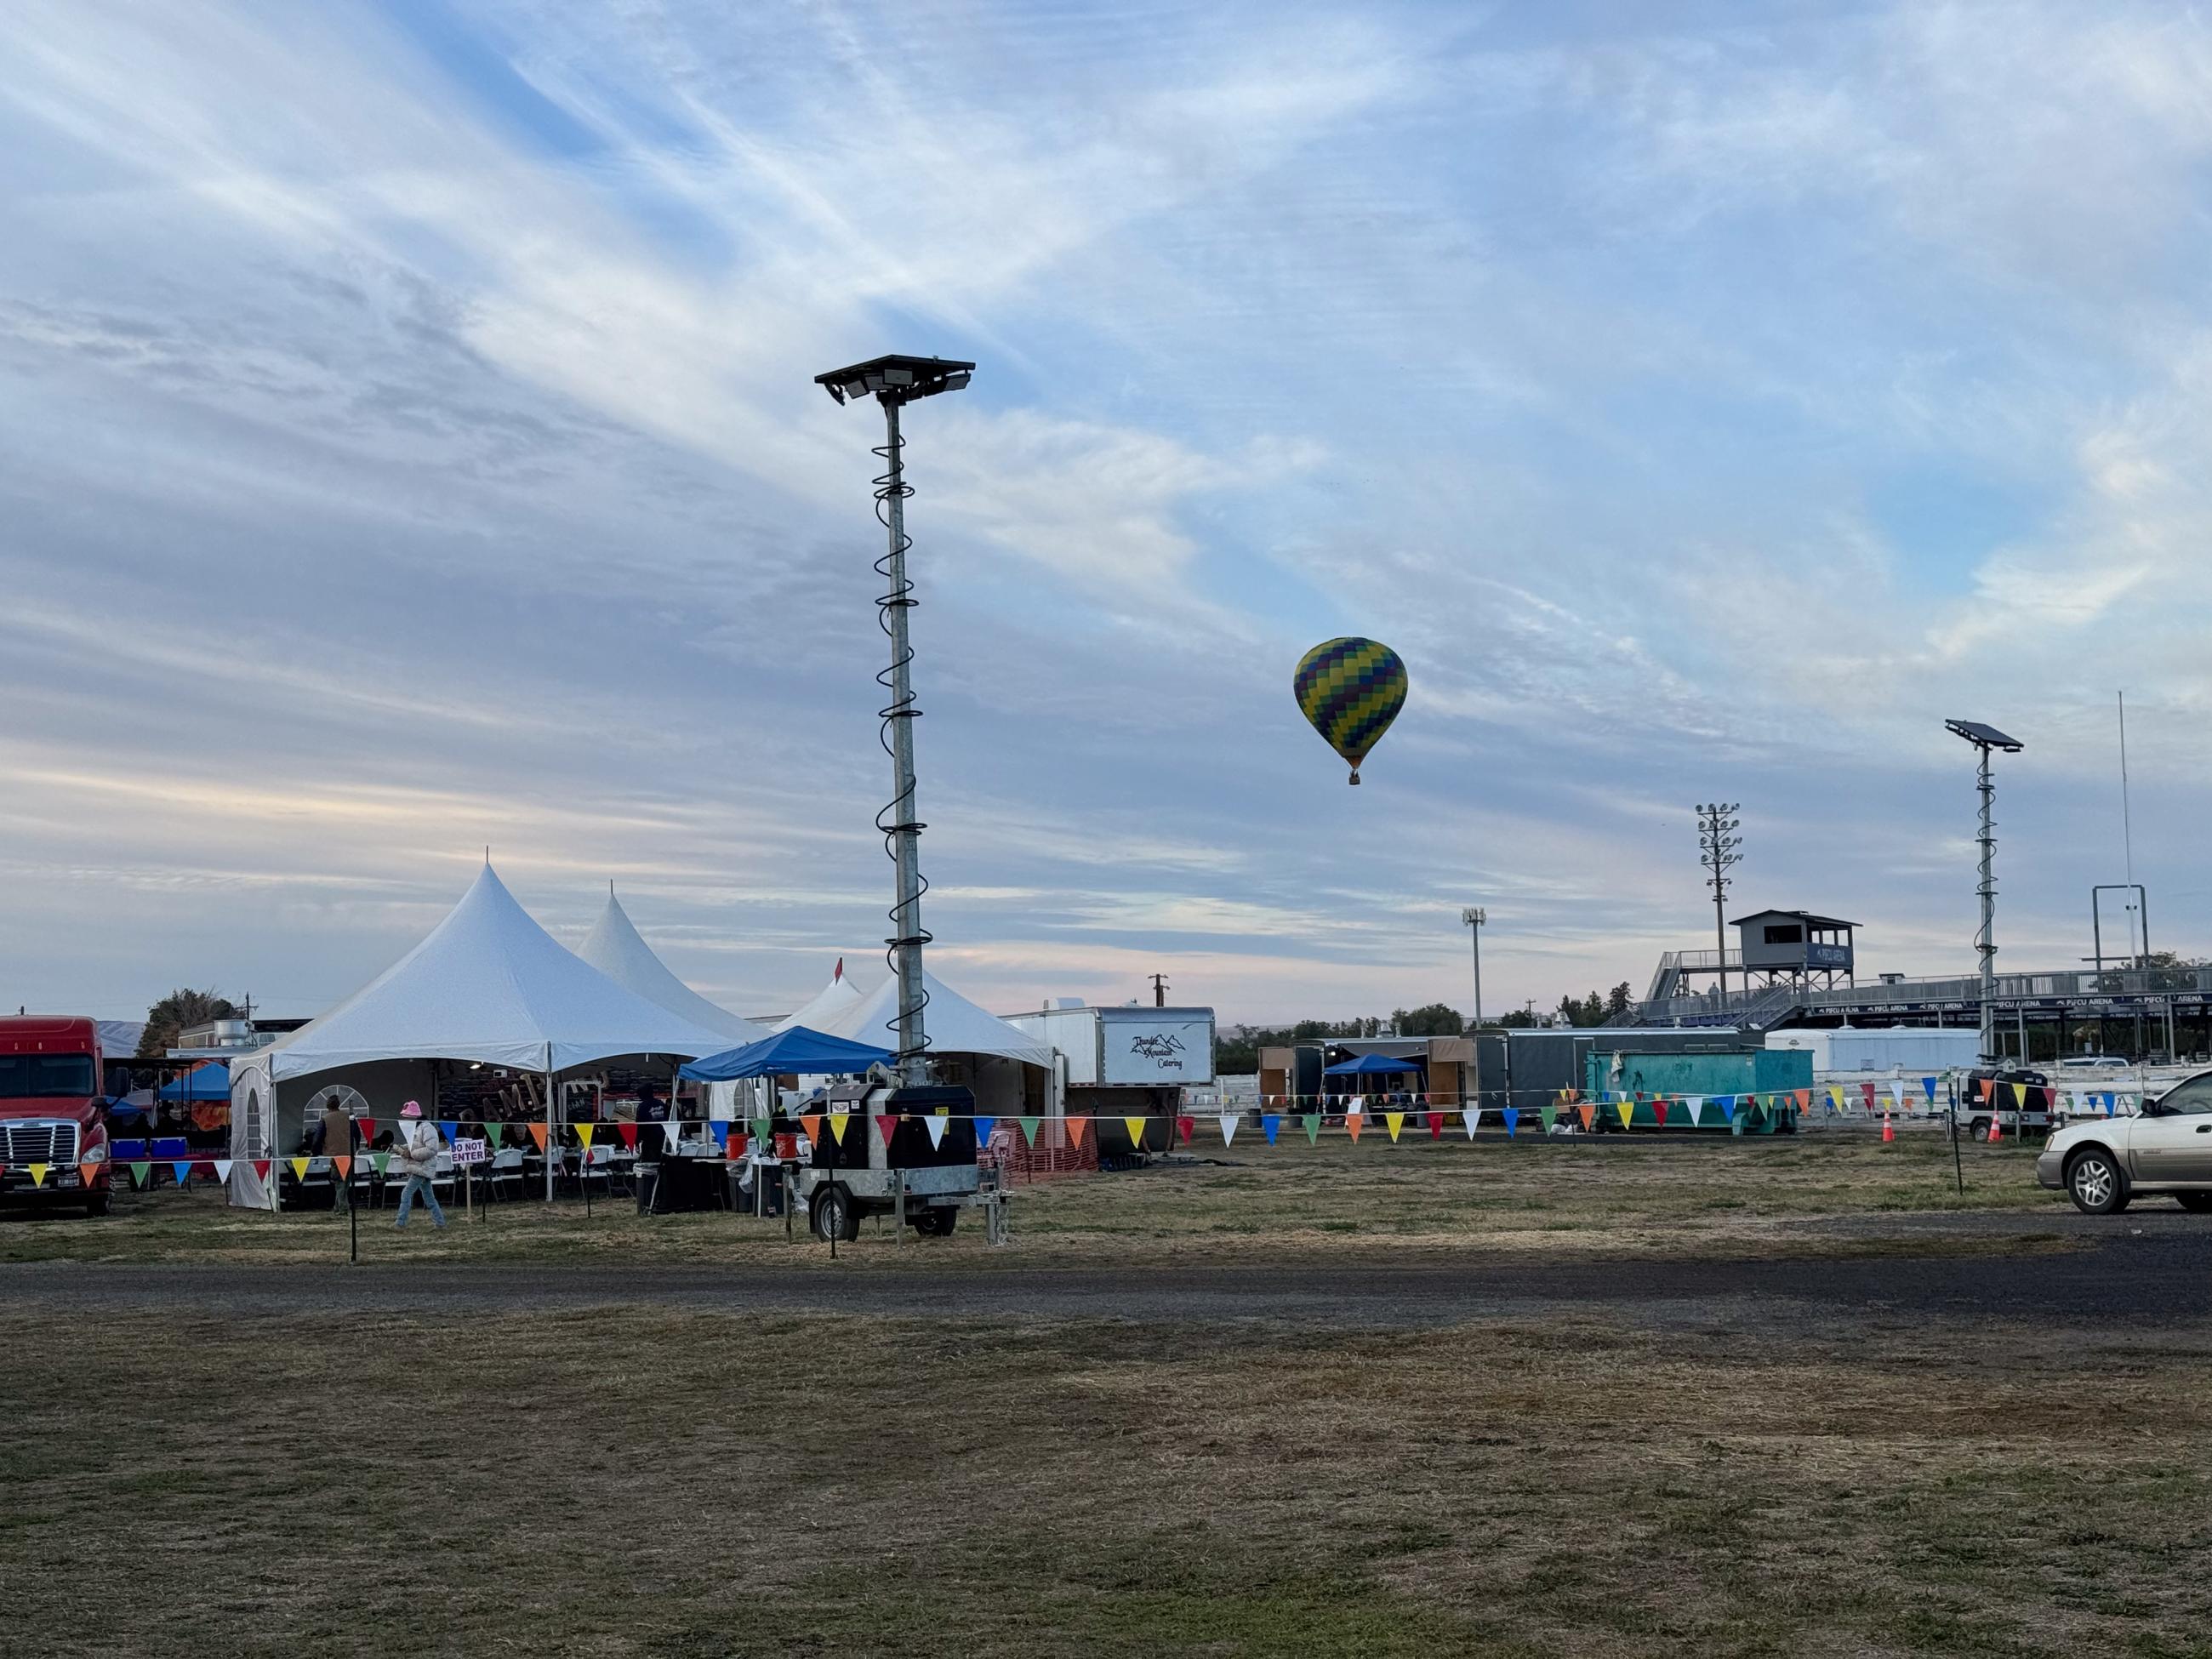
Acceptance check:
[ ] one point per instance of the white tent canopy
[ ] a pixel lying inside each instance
(830, 1003)
(954, 1025)
(490, 985)
(615, 949)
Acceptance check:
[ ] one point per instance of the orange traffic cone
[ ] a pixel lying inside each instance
(1996, 1127)
(1888, 1129)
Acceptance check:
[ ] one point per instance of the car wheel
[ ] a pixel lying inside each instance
(2197, 1203)
(2096, 1183)
(834, 1215)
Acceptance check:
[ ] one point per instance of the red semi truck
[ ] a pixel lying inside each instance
(53, 1127)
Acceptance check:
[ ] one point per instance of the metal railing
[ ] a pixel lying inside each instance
(1757, 1008)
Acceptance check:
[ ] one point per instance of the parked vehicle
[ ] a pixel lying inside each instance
(2000, 1104)
(2103, 1166)
(53, 1125)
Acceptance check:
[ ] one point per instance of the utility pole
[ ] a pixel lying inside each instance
(1717, 845)
(1474, 916)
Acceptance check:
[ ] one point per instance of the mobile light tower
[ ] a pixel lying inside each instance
(1718, 851)
(894, 382)
(1985, 739)
(1474, 915)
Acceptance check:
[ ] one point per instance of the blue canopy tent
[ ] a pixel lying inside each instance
(793, 1053)
(1375, 1065)
(208, 1081)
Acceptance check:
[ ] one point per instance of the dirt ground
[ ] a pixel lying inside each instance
(1778, 1457)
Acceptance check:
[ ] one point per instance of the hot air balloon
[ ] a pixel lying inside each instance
(1351, 689)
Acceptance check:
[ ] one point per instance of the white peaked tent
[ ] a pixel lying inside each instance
(486, 985)
(831, 1001)
(615, 949)
(953, 1024)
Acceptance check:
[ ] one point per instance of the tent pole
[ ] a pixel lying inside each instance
(552, 1145)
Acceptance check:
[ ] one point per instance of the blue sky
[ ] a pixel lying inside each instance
(410, 445)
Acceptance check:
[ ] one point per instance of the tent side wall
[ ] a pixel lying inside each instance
(273, 1122)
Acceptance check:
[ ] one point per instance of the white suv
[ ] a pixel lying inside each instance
(2167, 1147)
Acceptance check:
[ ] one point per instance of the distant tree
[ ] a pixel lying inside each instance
(169, 1016)
(1617, 1000)
(1436, 1019)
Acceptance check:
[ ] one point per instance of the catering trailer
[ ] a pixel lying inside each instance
(1131, 1062)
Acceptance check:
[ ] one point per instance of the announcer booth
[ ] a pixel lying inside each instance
(1795, 948)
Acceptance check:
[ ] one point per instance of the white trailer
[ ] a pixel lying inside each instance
(1130, 1061)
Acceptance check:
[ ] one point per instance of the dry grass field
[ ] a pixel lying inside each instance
(657, 1480)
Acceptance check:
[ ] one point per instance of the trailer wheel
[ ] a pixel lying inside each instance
(834, 1214)
(1977, 1128)
(937, 1222)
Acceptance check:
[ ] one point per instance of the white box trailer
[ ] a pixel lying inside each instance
(1125, 1062)
(1905, 1050)
(1127, 1047)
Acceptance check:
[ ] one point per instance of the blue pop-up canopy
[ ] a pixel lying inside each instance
(209, 1081)
(1373, 1066)
(791, 1053)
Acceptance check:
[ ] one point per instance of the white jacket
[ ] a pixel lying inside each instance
(414, 1150)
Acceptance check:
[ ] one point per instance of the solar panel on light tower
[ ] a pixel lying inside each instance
(1987, 736)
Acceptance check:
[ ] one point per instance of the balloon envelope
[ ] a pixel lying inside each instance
(1351, 689)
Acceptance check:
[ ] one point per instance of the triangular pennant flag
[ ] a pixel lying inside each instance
(1184, 1126)
(381, 1162)
(887, 1126)
(88, 1172)
(495, 1132)
(1866, 1093)
(629, 1133)
(1030, 1130)
(1928, 1084)
(1472, 1116)
(1627, 1110)
(1550, 1114)
(143, 1171)
(222, 1168)
(182, 1168)
(1076, 1125)
(343, 1164)
(811, 1122)
(1436, 1122)
(299, 1168)
(1694, 1105)
(448, 1130)
(1513, 1117)
(936, 1123)
(1984, 1085)
(1228, 1121)
(720, 1128)
(1587, 1113)
(1659, 1113)
(1270, 1125)
(763, 1128)
(584, 1133)
(1896, 1095)
(983, 1128)
(2110, 1099)
(1312, 1122)
(837, 1122)
(1394, 1121)
(1804, 1097)
(1135, 1126)
(2018, 1095)
(261, 1168)
(1352, 1120)
(38, 1173)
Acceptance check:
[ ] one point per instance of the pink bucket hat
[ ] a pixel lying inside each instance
(412, 1108)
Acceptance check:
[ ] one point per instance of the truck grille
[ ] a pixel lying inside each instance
(37, 1143)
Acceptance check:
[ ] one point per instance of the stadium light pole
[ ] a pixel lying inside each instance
(1474, 916)
(1717, 845)
(894, 382)
(1987, 739)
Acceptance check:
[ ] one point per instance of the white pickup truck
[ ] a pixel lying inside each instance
(2165, 1148)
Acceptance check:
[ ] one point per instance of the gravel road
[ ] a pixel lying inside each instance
(2153, 1267)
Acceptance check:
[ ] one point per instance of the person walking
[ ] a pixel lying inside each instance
(416, 1153)
(337, 1142)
